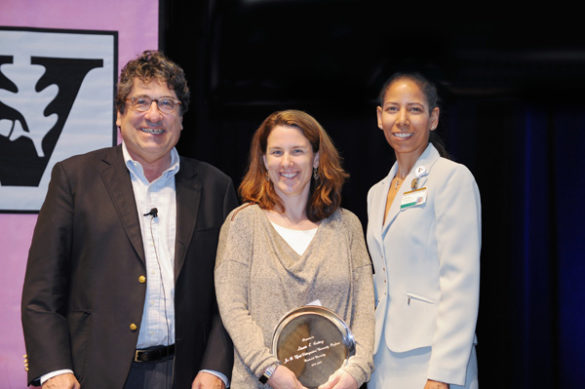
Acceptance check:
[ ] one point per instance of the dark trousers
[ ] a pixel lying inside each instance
(147, 375)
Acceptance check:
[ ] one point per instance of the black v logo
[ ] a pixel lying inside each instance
(26, 147)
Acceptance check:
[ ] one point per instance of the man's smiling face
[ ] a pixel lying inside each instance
(150, 136)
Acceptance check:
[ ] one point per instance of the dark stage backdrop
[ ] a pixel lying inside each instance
(513, 112)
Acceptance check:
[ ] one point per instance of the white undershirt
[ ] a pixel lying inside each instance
(299, 240)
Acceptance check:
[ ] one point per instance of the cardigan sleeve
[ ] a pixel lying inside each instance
(361, 365)
(458, 234)
(232, 275)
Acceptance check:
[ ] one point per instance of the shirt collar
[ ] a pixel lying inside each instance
(136, 167)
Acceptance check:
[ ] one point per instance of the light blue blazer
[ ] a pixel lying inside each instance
(426, 261)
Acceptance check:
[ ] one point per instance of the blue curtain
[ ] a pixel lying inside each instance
(529, 161)
(569, 185)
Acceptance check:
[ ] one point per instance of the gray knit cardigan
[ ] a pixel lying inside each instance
(259, 278)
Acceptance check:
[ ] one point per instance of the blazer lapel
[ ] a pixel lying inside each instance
(419, 172)
(188, 198)
(423, 167)
(116, 179)
(395, 207)
(379, 203)
(376, 214)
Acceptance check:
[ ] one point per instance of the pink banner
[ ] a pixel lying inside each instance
(136, 23)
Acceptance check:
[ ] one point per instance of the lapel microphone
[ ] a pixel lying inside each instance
(153, 212)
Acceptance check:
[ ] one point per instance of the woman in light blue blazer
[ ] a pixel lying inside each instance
(424, 237)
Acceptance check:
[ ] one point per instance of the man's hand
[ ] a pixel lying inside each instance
(431, 384)
(340, 380)
(62, 381)
(205, 380)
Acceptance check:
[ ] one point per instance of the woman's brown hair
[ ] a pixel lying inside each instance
(324, 192)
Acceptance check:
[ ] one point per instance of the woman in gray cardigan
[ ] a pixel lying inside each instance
(289, 245)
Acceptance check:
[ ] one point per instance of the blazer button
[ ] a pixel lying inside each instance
(133, 327)
(142, 279)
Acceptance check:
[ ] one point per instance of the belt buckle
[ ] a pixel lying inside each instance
(136, 354)
(153, 354)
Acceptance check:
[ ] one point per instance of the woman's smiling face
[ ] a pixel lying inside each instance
(406, 118)
(289, 160)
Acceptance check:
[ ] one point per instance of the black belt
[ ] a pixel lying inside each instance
(154, 353)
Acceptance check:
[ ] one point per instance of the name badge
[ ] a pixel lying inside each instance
(413, 198)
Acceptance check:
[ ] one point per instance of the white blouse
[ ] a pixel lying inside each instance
(298, 240)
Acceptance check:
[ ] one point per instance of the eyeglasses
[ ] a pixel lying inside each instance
(164, 104)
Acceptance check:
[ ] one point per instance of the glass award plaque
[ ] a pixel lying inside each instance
(313, 342)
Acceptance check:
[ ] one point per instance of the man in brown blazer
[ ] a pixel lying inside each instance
(119, 290)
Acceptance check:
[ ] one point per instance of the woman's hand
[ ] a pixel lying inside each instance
(340, 380)
(284, 378)
(431, 384)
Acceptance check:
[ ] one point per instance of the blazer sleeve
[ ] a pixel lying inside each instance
(44, 296)
(458, 234)
(219, 353)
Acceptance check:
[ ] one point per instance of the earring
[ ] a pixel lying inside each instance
(315, 174)
(267, 177)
